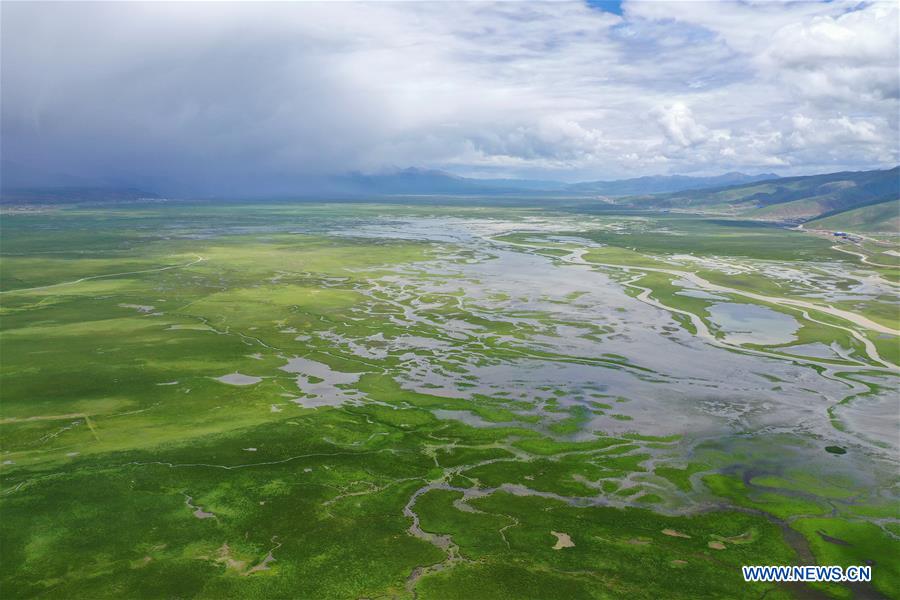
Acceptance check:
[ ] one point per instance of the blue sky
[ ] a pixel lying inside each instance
(611, 6)
(207, 96)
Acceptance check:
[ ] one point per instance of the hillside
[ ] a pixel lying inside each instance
(789, 198)
(876, 218)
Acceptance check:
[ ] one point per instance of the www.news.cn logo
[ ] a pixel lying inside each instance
(831, 573)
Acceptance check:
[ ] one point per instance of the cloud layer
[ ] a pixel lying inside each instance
(212, 97)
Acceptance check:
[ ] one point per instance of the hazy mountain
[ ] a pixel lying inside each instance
(659, 184)
(27, 184)
(18, 180)
(537, 185)
(423, 182)
(72, 195)
(415, 181)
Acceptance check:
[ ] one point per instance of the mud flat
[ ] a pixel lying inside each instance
(238, 379)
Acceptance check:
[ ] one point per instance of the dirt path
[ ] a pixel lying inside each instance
(73, 282)
(862, 257)
(86, 417)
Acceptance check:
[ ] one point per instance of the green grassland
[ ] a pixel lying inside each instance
(882, 217)
(131, 470)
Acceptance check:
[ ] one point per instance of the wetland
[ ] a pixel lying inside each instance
(437, 401)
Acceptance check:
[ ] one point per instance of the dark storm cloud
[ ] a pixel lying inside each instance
(161, 93)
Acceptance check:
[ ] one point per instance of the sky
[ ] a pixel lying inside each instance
(208, 97)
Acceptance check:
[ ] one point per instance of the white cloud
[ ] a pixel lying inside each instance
(841, 131)
(852, 57)
(678, 123)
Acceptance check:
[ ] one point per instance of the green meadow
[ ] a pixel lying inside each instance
(299, 400)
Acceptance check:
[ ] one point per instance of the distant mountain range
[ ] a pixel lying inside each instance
(424, 182)
(427, 182)
(660, 184)
(21, 181)
(27, 184)
(73, 195)
(763, 196)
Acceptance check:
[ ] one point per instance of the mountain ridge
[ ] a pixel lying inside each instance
(21, 180)
(787, 199)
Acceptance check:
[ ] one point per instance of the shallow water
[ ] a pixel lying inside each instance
(753, 324)
(238, 379)
(320, 383)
